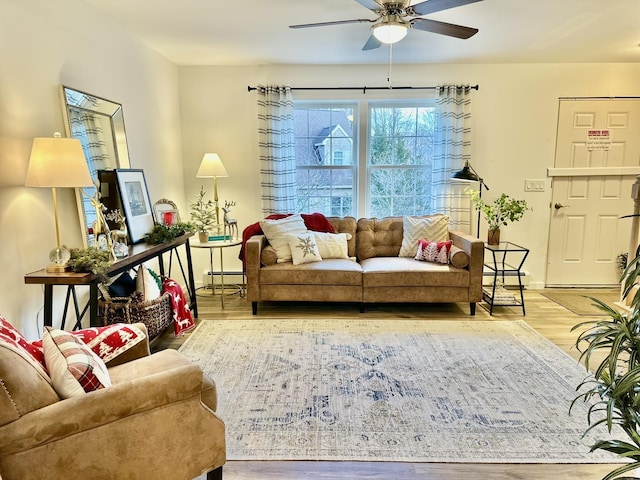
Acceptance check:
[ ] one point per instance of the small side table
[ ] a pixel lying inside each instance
(219, 244)
(501, 268)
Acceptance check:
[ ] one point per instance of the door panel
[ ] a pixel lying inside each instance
(586, 235)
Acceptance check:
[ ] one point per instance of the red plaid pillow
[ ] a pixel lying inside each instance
(73, 367)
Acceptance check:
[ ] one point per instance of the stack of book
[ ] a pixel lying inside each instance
(501, 296)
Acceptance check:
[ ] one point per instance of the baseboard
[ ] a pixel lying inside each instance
(230, 278)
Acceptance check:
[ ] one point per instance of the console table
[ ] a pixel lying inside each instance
(138, 254)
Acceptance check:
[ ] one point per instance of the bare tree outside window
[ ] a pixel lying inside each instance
(400, 150)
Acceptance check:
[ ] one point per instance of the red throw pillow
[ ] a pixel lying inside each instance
(437, 252)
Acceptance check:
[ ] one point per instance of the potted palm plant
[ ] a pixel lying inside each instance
(501, 211)
(203, 215)
(614, 386)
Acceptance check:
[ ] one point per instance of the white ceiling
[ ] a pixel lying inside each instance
(249, 32)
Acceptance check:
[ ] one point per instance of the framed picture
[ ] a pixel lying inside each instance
(136, 204)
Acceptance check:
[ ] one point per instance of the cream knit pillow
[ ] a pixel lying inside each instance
(433, 228)
(277, 232)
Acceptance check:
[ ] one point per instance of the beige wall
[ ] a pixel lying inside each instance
(514, 126)
(44, 44)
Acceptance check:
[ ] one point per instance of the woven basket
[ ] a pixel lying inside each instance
(156, 314)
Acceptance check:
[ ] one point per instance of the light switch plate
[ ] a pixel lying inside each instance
(535, 185)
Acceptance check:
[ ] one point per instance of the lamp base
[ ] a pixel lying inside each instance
(59, 256)
(56, 268)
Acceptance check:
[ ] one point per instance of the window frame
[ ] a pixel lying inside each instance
(361, 129)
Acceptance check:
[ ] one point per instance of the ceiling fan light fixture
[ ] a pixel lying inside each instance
(390, 32)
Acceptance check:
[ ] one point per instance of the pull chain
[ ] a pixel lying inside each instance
(390, 62)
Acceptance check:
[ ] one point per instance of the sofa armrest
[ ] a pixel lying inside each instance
(475, 249)
(139, 350)
(253, 249)
(75, 415)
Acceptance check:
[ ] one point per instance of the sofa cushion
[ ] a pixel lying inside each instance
(432, 228)
(379, 237)
(335, 271)
(303, 248)
(406, 272)
(276, 232)
(74, 368)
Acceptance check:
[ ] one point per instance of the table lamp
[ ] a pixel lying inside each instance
(212, 167)
(57, 162)
(468, 174)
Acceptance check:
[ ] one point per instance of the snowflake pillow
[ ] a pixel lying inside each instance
(304, 248)
(437, 252)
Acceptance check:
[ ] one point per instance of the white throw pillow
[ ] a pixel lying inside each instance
(434, 228)
(147, 285)
(277, 231)
(303, 248)
(332, 245)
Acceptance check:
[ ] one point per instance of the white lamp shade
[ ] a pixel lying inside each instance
(211, 167)
(389, 32)
(57, 162)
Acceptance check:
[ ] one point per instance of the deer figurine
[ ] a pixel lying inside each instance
(100, 227)
(121, 234)
(230, 223)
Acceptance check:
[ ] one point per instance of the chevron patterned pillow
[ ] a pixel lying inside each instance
(433, 227)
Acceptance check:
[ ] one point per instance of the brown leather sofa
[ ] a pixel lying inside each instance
(156, 421)
(378, 275)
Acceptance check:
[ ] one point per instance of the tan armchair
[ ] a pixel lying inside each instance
(156, 421)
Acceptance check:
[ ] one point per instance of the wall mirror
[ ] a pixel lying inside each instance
(99, 125)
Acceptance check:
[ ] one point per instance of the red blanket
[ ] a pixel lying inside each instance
(314, 221)
(182, 318)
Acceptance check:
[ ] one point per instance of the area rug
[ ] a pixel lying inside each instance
(578, 302)
(393, 390)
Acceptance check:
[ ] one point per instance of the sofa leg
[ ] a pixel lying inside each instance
(254, 308)
(472, 308)
(215, 474)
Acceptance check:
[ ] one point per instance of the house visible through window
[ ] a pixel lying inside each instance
(391, 175)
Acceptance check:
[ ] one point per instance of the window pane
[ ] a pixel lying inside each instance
(401, 149)
(324, 140)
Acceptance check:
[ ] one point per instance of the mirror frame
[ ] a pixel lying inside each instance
(113, 150)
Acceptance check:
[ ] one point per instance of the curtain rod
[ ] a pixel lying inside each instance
(365, 88)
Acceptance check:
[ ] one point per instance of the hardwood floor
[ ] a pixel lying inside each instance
(550, 319)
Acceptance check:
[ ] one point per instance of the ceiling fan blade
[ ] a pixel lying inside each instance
(372, 43)
(432, 6)
(339, 22)
(374, 5)
(443, 28)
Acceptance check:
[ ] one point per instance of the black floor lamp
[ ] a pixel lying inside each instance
(468, 174)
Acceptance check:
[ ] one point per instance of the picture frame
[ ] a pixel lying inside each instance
(136, 203)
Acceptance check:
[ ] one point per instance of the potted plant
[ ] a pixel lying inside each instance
(203, 215)
(615, 384)
(501, 211)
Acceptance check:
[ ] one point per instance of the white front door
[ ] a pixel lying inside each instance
(597, 155)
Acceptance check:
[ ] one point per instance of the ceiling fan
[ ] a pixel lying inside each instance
(396, 17)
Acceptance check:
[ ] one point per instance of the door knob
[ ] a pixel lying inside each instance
(558, 206)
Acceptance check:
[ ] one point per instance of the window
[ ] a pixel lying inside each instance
(325, 158)
(389, 175)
